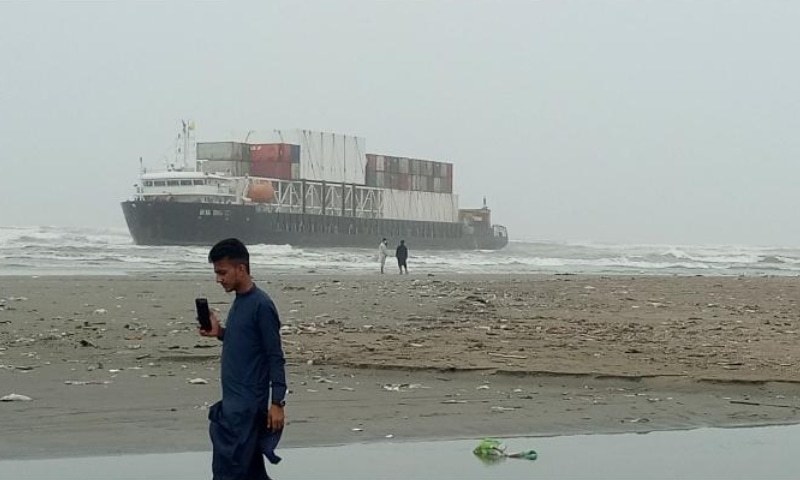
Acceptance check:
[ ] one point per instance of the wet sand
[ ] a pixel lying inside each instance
(108, 360)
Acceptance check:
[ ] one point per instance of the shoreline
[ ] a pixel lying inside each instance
(415, 357)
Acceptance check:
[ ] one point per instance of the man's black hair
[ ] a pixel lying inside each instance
(232, 249)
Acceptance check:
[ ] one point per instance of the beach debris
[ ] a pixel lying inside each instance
(87, 343)
(389, 436)
(506, 355)
(482, 387)
(762, 404)
(100, 311)
(15, 397)
(357, 429)
(87, 382)
(397, 387)
(503, 409)
(639, 420)
(490, 450)
(197, 381)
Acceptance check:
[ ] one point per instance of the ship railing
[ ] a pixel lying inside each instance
(325, 198)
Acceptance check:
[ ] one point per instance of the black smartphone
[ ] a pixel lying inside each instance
(203, 313)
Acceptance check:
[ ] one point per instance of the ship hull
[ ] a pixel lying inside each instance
(183, 223)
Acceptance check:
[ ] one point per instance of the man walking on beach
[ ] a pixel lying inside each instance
(402, 255)
(383, 252)
(248, 421)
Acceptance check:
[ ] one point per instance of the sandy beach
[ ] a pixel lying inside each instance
(114, 364)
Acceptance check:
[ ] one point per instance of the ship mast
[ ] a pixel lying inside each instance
(185, 146)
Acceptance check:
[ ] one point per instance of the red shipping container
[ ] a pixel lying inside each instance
(279, 170)
(264, 152)
(271, 152)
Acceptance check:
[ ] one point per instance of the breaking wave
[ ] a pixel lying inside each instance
(81, 251)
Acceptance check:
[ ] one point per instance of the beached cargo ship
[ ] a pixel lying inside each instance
(308, 189)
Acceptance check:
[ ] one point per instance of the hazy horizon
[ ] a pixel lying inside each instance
(607, 122)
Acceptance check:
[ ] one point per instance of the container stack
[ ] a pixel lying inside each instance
(400, 173)
(275, 160)
(231, 158)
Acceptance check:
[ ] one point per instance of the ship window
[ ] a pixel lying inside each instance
(173, 183)
(186, 182)
(148, 183)
(199, 182)
(159, 184)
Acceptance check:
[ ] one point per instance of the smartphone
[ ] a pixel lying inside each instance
(203, 313)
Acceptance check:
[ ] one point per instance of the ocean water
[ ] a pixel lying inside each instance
(104, 251)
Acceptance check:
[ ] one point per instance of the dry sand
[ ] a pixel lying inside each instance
(108, 361)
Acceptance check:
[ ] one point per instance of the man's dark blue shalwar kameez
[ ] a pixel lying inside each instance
(252, 368)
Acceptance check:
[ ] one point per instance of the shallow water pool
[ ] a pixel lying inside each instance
(764, 452)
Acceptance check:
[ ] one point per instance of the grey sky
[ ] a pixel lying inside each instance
(658, 122)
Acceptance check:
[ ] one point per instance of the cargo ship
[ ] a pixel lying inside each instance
(307, 189)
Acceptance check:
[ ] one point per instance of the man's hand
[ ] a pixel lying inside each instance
(215, 329)
(275, 417)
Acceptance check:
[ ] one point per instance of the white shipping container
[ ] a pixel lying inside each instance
(424, 206)
(329, 157)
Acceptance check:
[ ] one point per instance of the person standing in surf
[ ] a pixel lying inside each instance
(383, 252)
(247, 423)
(402, 256)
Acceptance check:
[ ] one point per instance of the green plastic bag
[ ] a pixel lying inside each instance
(491, 450)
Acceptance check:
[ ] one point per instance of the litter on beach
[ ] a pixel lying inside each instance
(491, 450)
(15, 397)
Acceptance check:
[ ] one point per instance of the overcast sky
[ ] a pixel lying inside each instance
(609, 121)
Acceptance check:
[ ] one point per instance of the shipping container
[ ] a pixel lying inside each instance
(400, 181)
(278, 170)
(223, 151)
(264, 152)
(227, 167)
(295, 170)
(390, 165)
(402, 166)
(275, 152)
(424, 206)
(380, 179)
(421, 183)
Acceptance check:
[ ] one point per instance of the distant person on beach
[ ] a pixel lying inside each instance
(247, 423)
(383, 252)
(402, 255)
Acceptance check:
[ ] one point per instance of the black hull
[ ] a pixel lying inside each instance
(178, 223)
